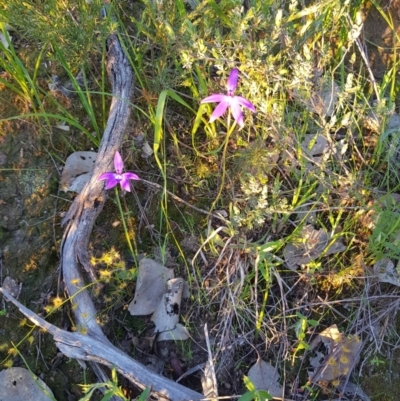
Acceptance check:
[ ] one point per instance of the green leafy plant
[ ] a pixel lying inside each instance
(20, 81)
(76, 27)
(301, 329)
(253, 393)
(376, 361)
(109, 389)
(384, 241)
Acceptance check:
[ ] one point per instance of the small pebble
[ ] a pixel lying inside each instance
(3, 159)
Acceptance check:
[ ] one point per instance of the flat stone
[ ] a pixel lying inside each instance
(18, 384)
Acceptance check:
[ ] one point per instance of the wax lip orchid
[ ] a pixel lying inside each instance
(230, 101)
(118, 177)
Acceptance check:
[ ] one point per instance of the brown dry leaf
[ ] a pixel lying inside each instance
(207, 383)
(265, 377)
(350, 392)
(166, 316)
(385, 271)
(312, 244)
(372, 121)
(12, 287)
(307, 213)
(326, 336)
(178, 333)
(155, 364)
(316, 148)
(175, 365)
(144, 343)
(77, 170)
(340, 355)
(324, 100)
(147, 150)
(158, 292)
(151, 285)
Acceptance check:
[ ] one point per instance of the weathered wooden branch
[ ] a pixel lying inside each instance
(89, 342)
(89, 203)
(94, 345)
(85, 347)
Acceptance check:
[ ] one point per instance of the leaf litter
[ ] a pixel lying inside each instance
(310, 245)
(265, 377)
(151, 285)
(12, 287)
(324, 98)
(336, 354)
(160, 294)
(386, 272)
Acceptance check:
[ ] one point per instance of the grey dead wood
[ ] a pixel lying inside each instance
(87, 348)
(93, 346)
(78, 227)
(89, 202)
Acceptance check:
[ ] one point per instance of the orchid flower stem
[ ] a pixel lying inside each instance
(132, 230)
(128, 240)
(229, 131)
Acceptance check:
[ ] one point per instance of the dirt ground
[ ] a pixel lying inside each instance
(31, 209)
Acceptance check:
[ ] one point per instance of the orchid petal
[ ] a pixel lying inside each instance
(118, 163)
(237, 113)
(125, 184)
(106, 176)
(219, 110)
(232, 81)
(130, 176)
(244, 102)
(219, 97)
(112, 182)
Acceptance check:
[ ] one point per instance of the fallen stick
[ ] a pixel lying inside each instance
(85, 347)
(93, 345)
(88, 204)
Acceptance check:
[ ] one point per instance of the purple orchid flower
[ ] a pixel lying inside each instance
(229, 100)
(118, 177)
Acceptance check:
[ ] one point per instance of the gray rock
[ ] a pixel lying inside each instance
(18, 384)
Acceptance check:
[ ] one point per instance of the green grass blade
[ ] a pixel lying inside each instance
(158, 130)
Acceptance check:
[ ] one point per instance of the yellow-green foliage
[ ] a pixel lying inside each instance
(76, 27)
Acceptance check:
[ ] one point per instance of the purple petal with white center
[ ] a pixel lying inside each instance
(232, 81)
(237, 113)
(244, 102)
(118, 163)
(219, 110)
(111, 182)
(106, 176)
(130, 176)
(219, 97)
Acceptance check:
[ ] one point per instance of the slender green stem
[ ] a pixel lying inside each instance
(223, 165)
(128, 240)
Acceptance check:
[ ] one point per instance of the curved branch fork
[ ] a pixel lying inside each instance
(87, 348)
(93, 346)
